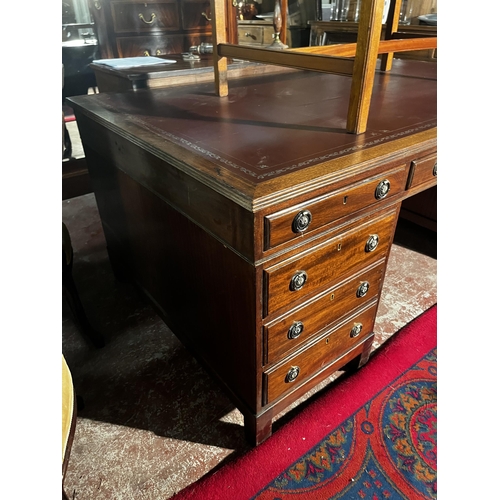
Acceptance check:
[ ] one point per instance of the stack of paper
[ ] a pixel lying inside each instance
(133, 62)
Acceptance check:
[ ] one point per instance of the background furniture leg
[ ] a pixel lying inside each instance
(72, 296)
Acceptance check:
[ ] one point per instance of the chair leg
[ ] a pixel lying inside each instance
(68, 148)
(75, 304)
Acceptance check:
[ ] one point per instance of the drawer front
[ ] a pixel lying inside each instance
(303, 219)
(250, 35)
(422, 171)
(150, 45)
(196, 15)
(324, 351)
(145, 17)
(267, 35)
(292, 280)
(293, 330)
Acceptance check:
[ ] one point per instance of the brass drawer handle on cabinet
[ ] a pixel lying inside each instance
(295, 330)
(372, 243)
(356, 330)
(292, 374)
(435, 170)
(205, 15)
(153, 17)
(382, 189)
(298, 281)
(301, 221)
(362, 289)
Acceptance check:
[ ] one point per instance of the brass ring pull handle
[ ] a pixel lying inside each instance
(372, 243)
(298, 281)
(292, 374)
(382, 189)
(356, 330)
(301, 221)
(295, 330)
(362, 289)
(153, 17)
(205, 15)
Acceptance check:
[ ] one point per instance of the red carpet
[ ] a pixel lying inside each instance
(372, 435)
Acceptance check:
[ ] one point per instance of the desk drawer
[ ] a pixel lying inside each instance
(294, 329)
(145, 17)
(422, 171)
(294, 279)
(297, 369)
(305, 218)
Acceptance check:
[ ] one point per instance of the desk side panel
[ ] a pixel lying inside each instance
(203, 290)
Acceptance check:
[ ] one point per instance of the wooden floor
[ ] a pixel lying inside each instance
(153, 421)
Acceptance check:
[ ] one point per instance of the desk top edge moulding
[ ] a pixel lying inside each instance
(257, 224)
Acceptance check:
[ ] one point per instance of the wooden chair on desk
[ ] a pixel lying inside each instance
(356, 60)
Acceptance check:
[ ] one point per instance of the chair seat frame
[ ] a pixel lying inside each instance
(356, 60)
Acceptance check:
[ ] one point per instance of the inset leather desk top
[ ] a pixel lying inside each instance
(272, 125)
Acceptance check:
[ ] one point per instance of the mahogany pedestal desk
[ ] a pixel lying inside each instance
(256, 225)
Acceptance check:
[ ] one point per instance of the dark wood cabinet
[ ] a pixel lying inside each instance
(130, 28)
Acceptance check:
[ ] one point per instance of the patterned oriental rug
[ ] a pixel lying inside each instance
(372, 436)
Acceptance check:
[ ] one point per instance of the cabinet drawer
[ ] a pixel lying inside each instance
(294, 329)
(250, 35)
(150, 45)
(422, 171)
(196, 15)
(297, 369)
(292, 280)
(313, 214)
(145, 17)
